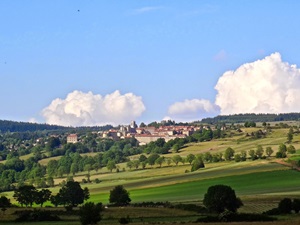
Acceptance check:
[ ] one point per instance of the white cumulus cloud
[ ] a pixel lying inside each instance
(88, 109)
(264, 86)
(191, 110)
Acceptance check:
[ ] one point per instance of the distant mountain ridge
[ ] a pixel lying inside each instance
(242, 118)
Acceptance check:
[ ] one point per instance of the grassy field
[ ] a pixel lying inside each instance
(261, 184)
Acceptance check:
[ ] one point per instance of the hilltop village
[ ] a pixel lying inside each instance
(144, 135)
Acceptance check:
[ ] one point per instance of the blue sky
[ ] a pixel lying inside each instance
(97, 62)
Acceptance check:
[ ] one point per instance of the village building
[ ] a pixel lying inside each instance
(72, 138)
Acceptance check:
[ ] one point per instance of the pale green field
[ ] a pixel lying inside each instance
(156, 177)
(260, 183)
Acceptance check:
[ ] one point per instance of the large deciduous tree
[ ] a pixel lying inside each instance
(119, 196)
(111, 165)
(190, 158)
(220, 198)
(72, 194)
(42, 196)
(176, 159)
(290, 135)
(229, 153)
(26, 195)
(197, 164)
(269, 151)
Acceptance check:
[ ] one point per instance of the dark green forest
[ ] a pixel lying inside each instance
(13, 126)
(242, 118)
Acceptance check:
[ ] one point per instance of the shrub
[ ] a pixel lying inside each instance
(296, 205)
(84, 181)
(285, 206)
(274, 211)
(89, 213)
(97, 181)
(228, 216)
(191, 207)
(197, 164)
(124, 220)
(36, 215)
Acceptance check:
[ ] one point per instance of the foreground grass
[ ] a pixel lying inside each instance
(140, 216)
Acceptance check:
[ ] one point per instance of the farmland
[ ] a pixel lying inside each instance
(260, 183)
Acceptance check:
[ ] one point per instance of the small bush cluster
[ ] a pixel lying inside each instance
(187, 207)
(228, 216)
(90, 213)
(124, 220)
(36, 215)
(191, 207)
(285, 206)
(152, 204)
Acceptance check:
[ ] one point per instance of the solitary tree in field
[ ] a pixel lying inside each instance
(160, 160)
(259, 151)
(243, 155)
(290, 135)
(291, 149)
(119, 196)
(282, 149)
(111, 165)
(129, 164)
(72, 194)
(229, 153)
(197, 164)
(269, 151)
(252, 154)
(151, 159)
(136, 163)
(143, 158)
(176, 159)
(220, 198)
(190, 158)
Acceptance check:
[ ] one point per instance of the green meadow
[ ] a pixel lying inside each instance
(260, 184)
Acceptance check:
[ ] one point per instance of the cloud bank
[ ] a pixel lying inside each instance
(264, 86)
(191, 110)
(87, 109)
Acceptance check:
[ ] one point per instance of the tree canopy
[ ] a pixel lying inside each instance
(72, 194)
(89, 213)
(25, 195)
(119, 196)
(220, 198)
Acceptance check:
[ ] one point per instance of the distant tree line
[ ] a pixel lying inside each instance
(242, 118)
(14, 126)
